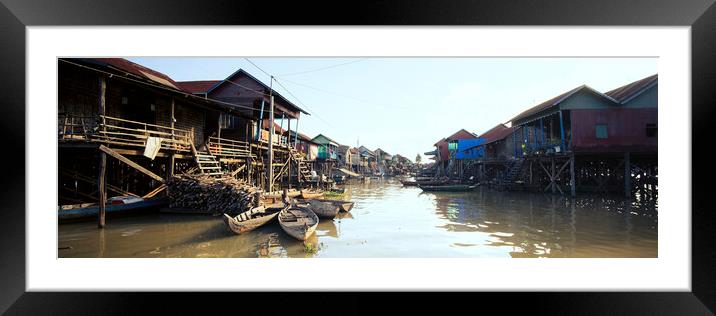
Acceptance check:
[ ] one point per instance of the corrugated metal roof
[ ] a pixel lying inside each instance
(497, 133)
(557, 100)
(266, 87)
(198, 87)
(461, 134)
(135, 69)
(546, 104)
(627, 92)
(328, 138)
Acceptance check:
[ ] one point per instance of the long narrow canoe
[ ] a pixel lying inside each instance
(449, 187)
(432, 182)
(299, 222)
(92, 209)
(251, 219)
(408, 183)
(344, 206)
(321, 208)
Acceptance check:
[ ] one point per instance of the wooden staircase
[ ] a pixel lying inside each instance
(513, 173)
(303, 170)
(207, 163)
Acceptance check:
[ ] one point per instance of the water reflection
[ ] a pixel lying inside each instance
(389, 220)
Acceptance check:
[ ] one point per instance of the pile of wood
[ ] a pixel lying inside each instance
(211, 195)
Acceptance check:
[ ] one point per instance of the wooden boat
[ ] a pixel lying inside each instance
(448, 187)
(311, 194)
(251, 219)
(299, 222)
(88, 210)
(408, 183)
(339, 191)
(432, 182)
(344, 206)
(279, 194)
(322, 208)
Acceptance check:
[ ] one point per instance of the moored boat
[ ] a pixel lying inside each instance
(344, 206)
(311, 194)
(409, 183)
(299, 222)
(338, 191)
(251, 219)
(448, 187)
(88, 210)
(322, 208)
(279, 194)
(433, 182)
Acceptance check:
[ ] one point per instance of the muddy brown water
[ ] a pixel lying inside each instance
(390, 221)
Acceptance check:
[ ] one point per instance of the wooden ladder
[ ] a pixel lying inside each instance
(208, 164)
(303, 168)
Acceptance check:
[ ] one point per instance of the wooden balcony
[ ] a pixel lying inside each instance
(116, 131)
(229, 148)
(71, 127)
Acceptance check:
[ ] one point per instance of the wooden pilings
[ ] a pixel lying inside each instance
(272, 130)
(101, 180)
(572, 179)
(627, 174)
(102, 189)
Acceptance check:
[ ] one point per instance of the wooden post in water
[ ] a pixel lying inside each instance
(101, 185)
(170, 169)
(627, 174)
(290, 152)
(553, 178)
(572, 182)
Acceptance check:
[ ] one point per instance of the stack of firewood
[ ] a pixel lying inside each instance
(213, 195)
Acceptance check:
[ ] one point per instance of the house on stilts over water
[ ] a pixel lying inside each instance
(152, 127)
(590, 140)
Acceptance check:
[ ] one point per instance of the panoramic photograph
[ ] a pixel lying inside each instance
(357, 157)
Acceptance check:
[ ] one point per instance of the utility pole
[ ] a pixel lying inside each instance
(269, 174)
(270, 148)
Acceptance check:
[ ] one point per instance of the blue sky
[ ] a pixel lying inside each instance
(405, 105)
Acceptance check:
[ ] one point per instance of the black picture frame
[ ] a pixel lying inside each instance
(15, 15)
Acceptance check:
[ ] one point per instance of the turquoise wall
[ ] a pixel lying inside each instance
(585, 100)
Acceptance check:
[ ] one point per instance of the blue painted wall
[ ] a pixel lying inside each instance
(474, 152)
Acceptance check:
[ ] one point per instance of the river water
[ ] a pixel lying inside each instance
(390, 221)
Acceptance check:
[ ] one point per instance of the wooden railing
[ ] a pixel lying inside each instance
(75, 127)
(119, 131)
(228, 147)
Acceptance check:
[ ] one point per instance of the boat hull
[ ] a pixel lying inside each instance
(344, 206)
(92, 211)
(298, 222)
(448, 188)
(310, 194)
(240, 226)
(322, 208)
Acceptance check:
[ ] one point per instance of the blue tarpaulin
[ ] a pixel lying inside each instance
(470, 148)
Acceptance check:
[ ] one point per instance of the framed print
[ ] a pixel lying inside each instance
(463, 147)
